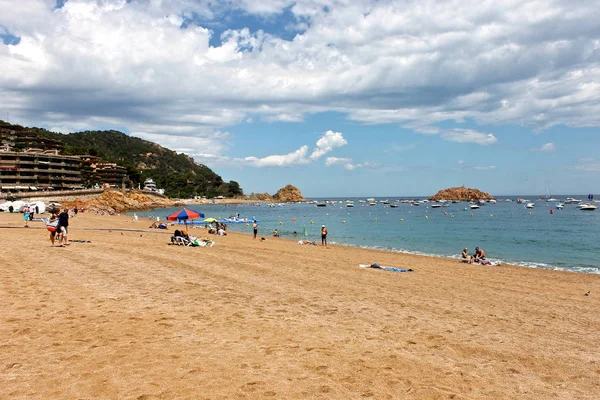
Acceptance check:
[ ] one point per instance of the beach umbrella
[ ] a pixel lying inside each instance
(184, 215)
(210, 220)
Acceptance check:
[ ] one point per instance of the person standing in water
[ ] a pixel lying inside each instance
(255, 228)
(323, 235)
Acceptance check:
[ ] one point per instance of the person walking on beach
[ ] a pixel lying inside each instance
(255, 228)
(61, 229)
(26, 216)
(323, 235)
(52, 222)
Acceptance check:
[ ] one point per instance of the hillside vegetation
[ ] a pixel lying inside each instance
(177, 173)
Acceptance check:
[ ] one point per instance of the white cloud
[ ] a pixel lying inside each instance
(335, 161)
(548, 147)
(296, 157)
(417, 64)
(469, 136)
(327, 143)
(348, 163)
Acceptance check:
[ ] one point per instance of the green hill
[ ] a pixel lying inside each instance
(177, 173)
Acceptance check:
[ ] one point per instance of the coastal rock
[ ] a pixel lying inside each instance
(461, 193)
(288, 193)
(113, 200)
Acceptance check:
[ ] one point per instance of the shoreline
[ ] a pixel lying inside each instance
(126, 315)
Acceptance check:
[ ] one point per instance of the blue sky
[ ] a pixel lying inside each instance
(337, 97)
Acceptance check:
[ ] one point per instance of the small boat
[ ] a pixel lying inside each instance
(349, 203)
(492, 201)
(560, 206)
(321, 204)
(436, 205)
(571, 200)
(587, 207)
(474, 206)
(530, 205)
(394, 205)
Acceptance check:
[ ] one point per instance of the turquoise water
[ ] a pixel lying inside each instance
(507, 231)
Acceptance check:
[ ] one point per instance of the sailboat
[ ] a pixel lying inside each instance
(548, 197)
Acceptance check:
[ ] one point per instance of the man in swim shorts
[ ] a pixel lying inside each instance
(479, 255)
(255, 228)
(323, 235)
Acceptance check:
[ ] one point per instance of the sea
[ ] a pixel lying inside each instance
(539, 237)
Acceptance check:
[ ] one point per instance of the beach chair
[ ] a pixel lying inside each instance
(180, 239)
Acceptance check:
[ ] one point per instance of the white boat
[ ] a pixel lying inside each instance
(560, 206)
(474, 206)
(394, 205)
(571, 200)
(371, 200)
(372, 203)
(492, 201)
(530, 205)
(587, 207)
(349, 203)
(321, 204)
(552, 199)
(436, 205)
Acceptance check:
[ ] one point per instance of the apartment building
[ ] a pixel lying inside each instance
(38, 169)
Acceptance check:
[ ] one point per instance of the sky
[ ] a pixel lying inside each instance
(339, 98)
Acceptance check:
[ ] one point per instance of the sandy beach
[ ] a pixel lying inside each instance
(128, 316)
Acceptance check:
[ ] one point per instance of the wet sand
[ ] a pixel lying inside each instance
(129, 316)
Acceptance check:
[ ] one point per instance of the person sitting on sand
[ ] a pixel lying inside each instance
(222, 232)
(465, 256)
(479, 255)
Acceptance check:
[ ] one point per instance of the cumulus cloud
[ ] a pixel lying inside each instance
(327, 143)
(416, 64)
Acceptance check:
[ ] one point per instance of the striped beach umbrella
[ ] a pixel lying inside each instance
(184, 215)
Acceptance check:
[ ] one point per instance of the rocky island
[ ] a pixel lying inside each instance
(287, 194)
(461, 193)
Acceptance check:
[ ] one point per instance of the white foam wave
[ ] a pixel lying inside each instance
(527, 264)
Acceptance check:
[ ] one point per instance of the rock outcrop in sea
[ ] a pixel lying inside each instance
(461, 193)
(287, 194)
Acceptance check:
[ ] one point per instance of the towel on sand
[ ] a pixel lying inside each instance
(377, 266)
